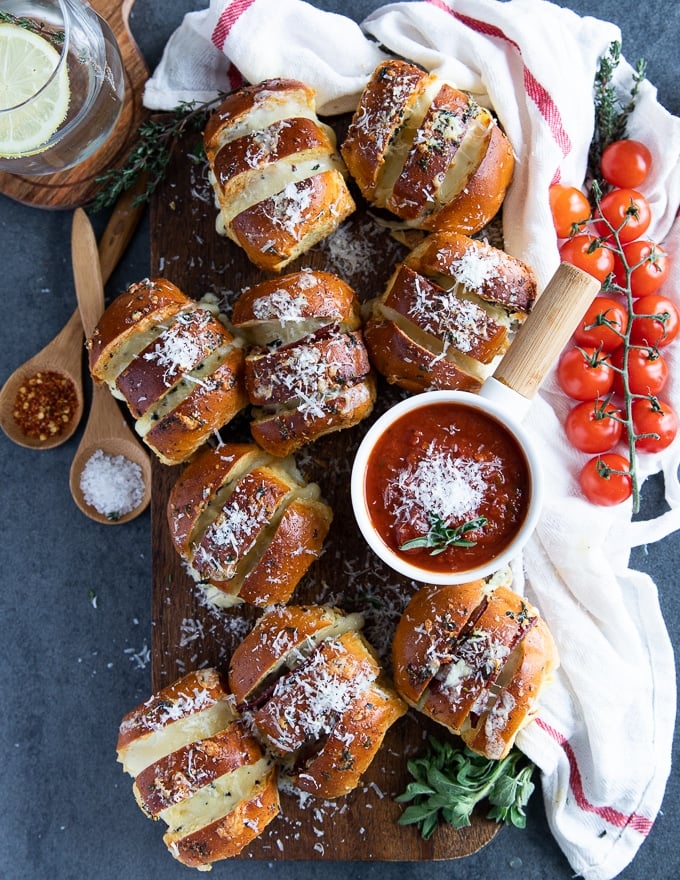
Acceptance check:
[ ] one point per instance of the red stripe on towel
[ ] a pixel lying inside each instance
(538, 94)
(227, 20)
(614, 817)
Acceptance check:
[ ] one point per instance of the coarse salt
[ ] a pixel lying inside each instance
(112, 484)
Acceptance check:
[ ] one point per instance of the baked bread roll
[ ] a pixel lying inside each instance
(448, 314)
(474, 658)
(278, 178)
(197, 768)
(426, 152)
(315, 696)
(175, 364)
(246, 524)
(307, 371)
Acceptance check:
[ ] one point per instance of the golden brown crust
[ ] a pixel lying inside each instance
(143, 305)
(494, 732)
(280, 634)
(277, 176)
(241, 102)
(294, 546)
(246, 523)
(277, 230)
(295, 298)
(209, 405)
(385, 104)
(193, 692)
(177, 776)
(283, 433)
(307, 701)
(426, 633)
(228, 836)
(319, 363)
(411, 366)
(474, 659)
(422, 149)
(485, 271)
(336, 769)
(195, 489)
(481, 198)
(192, 337)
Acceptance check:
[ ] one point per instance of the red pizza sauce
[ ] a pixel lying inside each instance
(453, 463)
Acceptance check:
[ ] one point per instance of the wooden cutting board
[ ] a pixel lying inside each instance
(77, 186)
(187, 634)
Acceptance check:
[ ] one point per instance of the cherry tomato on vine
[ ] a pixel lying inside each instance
(603, 325)
(656, 321)
(585, 373)
(570, 209)
(652, 266)
(647, 370)
(625, 163)
(583, 252)
(625, 210)
(654, 423)
(590, 426)
(606, 480)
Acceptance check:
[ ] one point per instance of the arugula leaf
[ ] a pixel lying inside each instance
(449, 782)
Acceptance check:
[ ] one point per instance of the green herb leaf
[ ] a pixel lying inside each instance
(150, 156)
(449, 783)
(440, 536)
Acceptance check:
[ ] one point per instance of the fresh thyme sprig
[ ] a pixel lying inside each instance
(440, 536)
(56, 38)
(611, 115)
(150, 156)
(449, 782)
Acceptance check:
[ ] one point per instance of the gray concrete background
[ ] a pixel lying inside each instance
(69, 670)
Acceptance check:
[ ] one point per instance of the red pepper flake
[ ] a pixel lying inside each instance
(45, 404)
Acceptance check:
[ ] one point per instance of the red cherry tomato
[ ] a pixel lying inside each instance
(654, 424)
(625, 163)
(625, 210)
(606, 480)
(570, 209)
(590, 426)
(650, 266)
(603, 325)
(585, 374)
(583, 252)
(656, 322)
(647, 370)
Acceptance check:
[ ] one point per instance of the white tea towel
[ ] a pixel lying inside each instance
(603, 748)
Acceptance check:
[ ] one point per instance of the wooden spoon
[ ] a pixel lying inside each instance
(64, 354)
(106, 428)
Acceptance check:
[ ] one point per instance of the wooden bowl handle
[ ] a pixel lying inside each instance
(547, 329)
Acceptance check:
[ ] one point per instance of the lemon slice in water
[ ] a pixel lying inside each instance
(27, 61)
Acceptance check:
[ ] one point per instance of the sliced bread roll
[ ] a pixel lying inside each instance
(198, 768)
(427, 152)
(315, 695)
(278, 178)
(448, 314)
(246, 523)
(307, 371)
(474, 658)
(173, 361)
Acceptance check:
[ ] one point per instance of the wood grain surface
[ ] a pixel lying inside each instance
(78, 186)
(187, 634)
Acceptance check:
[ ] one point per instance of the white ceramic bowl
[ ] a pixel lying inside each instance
(361, 512)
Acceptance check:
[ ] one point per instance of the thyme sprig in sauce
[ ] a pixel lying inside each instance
(440, 536)
(449, 782)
